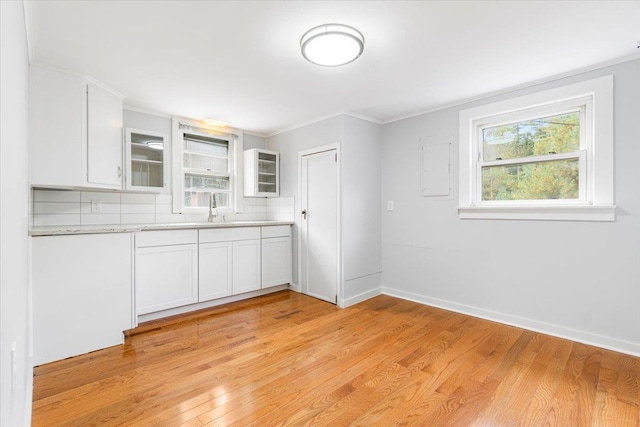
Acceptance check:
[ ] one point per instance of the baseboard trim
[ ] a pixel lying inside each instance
(583, 337)
(212, 303)
(294, 287)
(348, 302)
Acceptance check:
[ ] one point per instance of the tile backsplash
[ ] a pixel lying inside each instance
(78, 208)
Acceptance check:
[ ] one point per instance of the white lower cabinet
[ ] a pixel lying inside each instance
(215, 270)
(246, 266)
(276, 261)
(229, 261)
(166, 269)
(82, 293)
(276, 256)
(175, 268)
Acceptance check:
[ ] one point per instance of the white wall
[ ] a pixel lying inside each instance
(361, 215)
(15, 324)
(576, 279)
(360, 143)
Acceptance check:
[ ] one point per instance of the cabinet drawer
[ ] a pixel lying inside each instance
(229, 234)
(276, 231)
(166, 237)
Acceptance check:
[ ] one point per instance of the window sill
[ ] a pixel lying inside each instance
(540, 213)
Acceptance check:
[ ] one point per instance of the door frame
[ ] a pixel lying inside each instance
(298, 220)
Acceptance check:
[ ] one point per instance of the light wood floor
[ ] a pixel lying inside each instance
(288, 359)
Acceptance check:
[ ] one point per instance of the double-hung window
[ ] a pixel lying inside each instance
(207, 168)
(548, 155)
(540, 156)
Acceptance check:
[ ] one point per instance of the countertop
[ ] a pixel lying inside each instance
(97, 229)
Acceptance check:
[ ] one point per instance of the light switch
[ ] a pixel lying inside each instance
(389, 205)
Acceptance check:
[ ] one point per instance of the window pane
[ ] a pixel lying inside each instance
(546, 135)
(205, 163)
(556, 179)
(194, 199)
(201, 144)
(198, 182)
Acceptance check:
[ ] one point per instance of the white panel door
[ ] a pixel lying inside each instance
(215, 270)
(104, 138)
(246, 266)
(319, 227)
(166, 277)
(276, 261)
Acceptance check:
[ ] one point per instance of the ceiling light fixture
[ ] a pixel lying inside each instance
(156, 145)
(332, 45)
(216, 123)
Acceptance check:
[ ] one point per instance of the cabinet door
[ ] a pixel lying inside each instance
(57, 133)
(261, 173)
(246, 266)
(166, 277)
(276, 261)
(104, 138)
(215, 270)
(145, 162)
(82, 293)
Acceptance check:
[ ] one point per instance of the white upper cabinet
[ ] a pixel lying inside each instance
(261, 173)
(146, 161)
(75, 131)
(104, 138)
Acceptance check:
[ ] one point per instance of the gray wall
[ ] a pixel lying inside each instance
(576, 279)
(360, 143)
(361, 215)
(252, 141)
(15, 296)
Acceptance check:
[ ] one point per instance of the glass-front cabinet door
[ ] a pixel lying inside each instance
(261, 173)
(146, 160)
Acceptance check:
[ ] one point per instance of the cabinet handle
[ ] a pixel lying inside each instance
(304, 214)
(119, 171)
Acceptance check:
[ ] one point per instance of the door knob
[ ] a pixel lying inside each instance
(304, 214)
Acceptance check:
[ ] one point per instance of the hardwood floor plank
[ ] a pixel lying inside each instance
(543, 397)
(606, 410)
(350, 355)
(288, 359)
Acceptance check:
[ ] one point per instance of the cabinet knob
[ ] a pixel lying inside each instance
(304, 214)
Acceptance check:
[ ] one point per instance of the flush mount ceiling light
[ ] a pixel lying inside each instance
(332, 45)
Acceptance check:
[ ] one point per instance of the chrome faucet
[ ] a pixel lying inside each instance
(212, 206)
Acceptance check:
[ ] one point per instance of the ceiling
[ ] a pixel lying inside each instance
(240, 61)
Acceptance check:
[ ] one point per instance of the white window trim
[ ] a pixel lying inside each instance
(596, 203)
(234, 136)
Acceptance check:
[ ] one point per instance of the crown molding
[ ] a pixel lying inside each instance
(323, 118)
(510, 89)
(145, 111)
